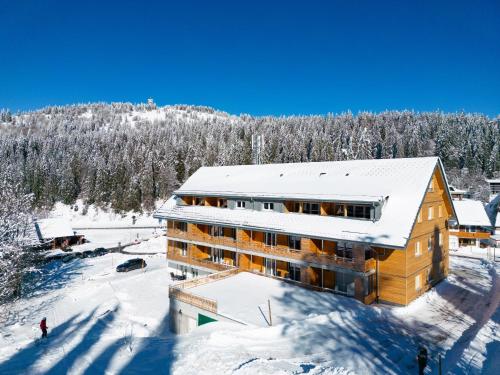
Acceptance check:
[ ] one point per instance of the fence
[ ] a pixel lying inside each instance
(178, 291)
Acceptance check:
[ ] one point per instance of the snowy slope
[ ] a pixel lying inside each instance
(104, 322)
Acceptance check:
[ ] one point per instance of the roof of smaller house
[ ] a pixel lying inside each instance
(54, 228)
(471, 212)
(454, 190)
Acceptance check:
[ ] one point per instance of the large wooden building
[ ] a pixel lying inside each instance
(370, 229)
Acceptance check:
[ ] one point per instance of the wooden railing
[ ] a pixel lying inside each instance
(178, 291)
(357, 264)
(172, 255)
(192, 299)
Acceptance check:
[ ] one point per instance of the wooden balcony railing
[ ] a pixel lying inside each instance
(180, 291)
(205, 263)
(357, 263)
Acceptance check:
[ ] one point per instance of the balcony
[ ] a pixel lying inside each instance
(245, 243)
(173, 254)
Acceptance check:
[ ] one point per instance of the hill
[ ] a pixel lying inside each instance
(130, 155)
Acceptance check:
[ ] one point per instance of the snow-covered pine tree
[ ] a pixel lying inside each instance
(16, 238)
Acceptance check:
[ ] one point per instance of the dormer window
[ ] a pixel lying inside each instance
(268, 206)
(311, 208)
(241, 204)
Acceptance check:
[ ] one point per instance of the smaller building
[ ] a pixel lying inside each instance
(494, 186)
(458, 194)
(473, 227)
(57, 233)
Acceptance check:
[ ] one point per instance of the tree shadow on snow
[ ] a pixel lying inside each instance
(52, 276)
(25, 359)
(153, 355)
(364, 338)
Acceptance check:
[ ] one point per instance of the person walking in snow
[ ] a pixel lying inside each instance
(422, 360)
(43, 327)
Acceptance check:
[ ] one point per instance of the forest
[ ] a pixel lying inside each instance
(128, 156)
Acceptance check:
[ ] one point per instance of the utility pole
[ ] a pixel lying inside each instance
(270, 316)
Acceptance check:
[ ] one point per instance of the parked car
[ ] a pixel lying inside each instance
(67, 249)
(100, 251)
(68, 258)
(87, 254)
(131, 264)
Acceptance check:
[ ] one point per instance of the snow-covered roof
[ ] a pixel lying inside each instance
(54, 228)
(471, 212)
(454, 190)
(493, 181)
(399, 183)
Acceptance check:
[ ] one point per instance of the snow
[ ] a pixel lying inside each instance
(399, 183)
(99, 218)
(471, 212)
(54, 228)
(251, 307)
(101, 321)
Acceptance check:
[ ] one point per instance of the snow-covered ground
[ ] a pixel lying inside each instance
(104, 322)
(95, 217)
(477, 252)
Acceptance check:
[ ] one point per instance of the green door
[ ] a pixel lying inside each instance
(203, 319)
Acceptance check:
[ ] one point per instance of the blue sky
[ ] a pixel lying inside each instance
(257, 57)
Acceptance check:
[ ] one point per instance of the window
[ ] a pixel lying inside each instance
(369, 284)
(369, 254)
(431, 186)
(344, 250)
(418, 282)
(440, 211)
(240, 204)
(419, 217)
(418, 250)
(430, 242)
(184, 249)
(338, 210)
(311, 208)
(362, 212)
(440, 237)
(293, 271)
(294, 242)
(222, 203)
(268, 206)
(181, 226)
(216, 231)
(270, 239)
(430, 213)
(199, 201)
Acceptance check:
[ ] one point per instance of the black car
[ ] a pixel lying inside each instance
(68, 258)
(87, 254)
(100, 251)
(131, 264)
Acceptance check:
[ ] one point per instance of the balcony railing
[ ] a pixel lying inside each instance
(356, 263)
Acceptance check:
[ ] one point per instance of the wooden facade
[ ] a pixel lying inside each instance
(368, 273)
